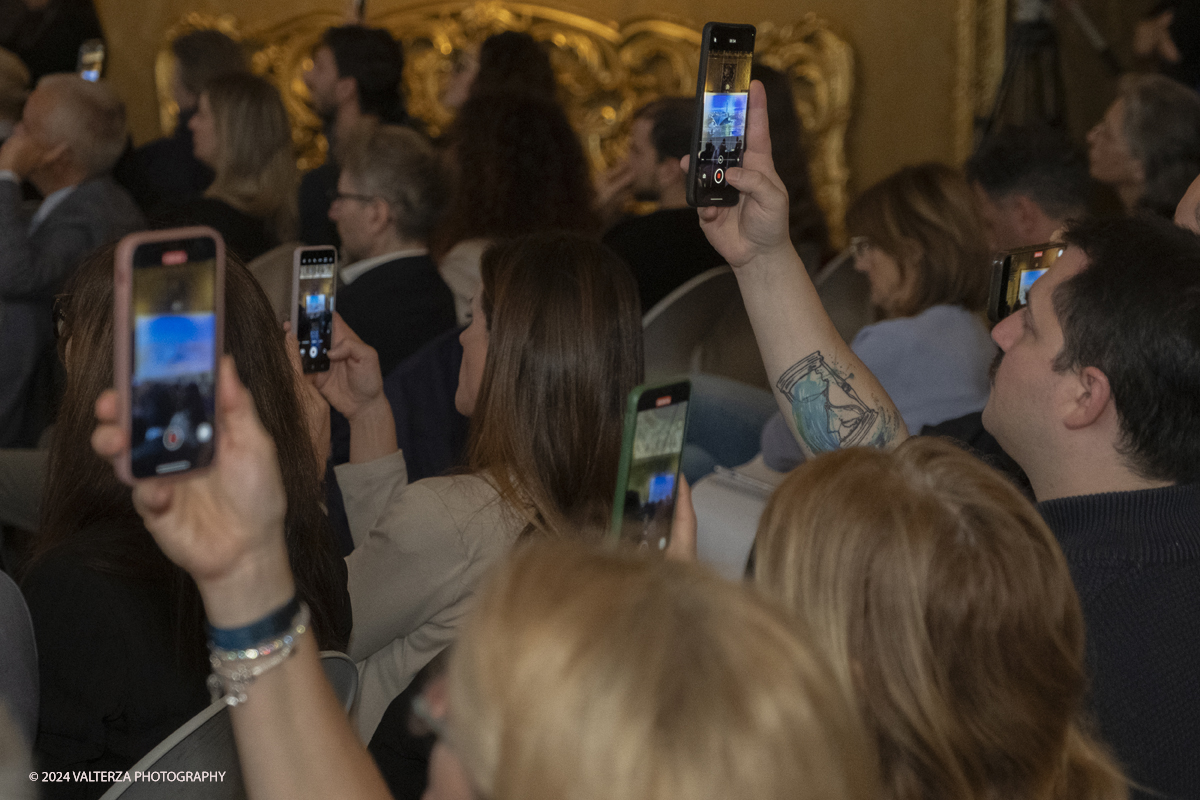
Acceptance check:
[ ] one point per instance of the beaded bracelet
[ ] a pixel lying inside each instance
(235, 670)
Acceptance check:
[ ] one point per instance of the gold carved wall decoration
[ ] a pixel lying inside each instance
(982, 26)
(605, 72)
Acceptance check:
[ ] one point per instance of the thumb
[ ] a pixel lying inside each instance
(236, 415)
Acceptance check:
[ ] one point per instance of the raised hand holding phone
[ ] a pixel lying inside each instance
(758, 224)
(224, 525)
(354, 386)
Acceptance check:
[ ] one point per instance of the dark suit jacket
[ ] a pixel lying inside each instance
(397, 307)
(313, 200)
(33, 268)
(664, 250)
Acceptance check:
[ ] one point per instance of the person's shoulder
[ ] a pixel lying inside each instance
(103, 193)
(942, 323)
(670, 219)
(471, 500)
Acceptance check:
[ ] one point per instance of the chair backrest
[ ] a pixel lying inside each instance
(676, 328)
(205, 743)
(202, 744)
(18, 659)
(273, 270)
(343, 676)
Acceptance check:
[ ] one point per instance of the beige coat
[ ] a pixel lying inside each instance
(420, 550)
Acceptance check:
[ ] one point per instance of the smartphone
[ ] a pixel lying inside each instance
(169, 312)
(314, 283)
(1014, 272)
(719, 131)
(648, 476)
(91, 60)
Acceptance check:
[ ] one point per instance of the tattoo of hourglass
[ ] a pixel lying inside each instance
(828, 412)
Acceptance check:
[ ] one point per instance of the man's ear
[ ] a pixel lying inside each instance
(56, 153)
(1092, 397)
(345, 89)
(381, 215)
(1029, 215)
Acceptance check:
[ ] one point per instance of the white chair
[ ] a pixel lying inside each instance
(205, 743)
(728, 505)
(273, 270)
(677, 330)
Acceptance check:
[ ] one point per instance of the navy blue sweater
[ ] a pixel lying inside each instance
(1135, 560)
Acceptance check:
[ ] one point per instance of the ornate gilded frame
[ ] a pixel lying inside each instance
(605, 71)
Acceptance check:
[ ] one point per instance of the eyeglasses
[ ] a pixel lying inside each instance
(335, 195)
(859, 245)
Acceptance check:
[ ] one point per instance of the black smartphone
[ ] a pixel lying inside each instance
(90, 64)
(314, 284)
(648, 476)
(169, 303)
(719, 131)
(1014, 272)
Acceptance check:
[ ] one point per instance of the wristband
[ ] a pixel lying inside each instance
(269, 627)
(234, 670)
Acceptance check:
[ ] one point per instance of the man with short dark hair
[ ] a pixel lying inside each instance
(70, 135)
(389, 195)
(1097, 397)
(166, 171)
(1029, 180)
(356, 72)
(666, 247)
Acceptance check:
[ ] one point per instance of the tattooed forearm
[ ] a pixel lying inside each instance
(827, 410)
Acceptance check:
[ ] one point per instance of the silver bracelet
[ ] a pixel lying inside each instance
(235, 670)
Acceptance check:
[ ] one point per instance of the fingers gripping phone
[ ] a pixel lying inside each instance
(648, 476)
(314, 283)
(719, 130)
(169, 312)
(1014, 272)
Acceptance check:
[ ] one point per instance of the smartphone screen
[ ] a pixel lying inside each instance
(655, 424)
(1015, 273)
(91, 60)
(173, 378)
(316, 275)
(722, 96)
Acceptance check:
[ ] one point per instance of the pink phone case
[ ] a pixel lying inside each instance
(123, 329)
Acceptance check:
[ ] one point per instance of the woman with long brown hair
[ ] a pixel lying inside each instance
(552, 351)
(120, 629)
(948, 613)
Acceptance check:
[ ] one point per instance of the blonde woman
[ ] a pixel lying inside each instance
(588, 675)
(241, 130)
(948, 612)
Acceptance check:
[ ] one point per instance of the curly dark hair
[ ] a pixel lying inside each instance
(514, 61)
(519, 168)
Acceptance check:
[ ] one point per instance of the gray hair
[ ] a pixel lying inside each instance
(89, 118)
(397, 164)
(1162, 126)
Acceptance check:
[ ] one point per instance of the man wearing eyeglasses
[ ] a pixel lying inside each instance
(389, 194)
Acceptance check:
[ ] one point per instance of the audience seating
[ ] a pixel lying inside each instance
(205, 744)
(19, 688)
(676, 328)
(605, 72)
